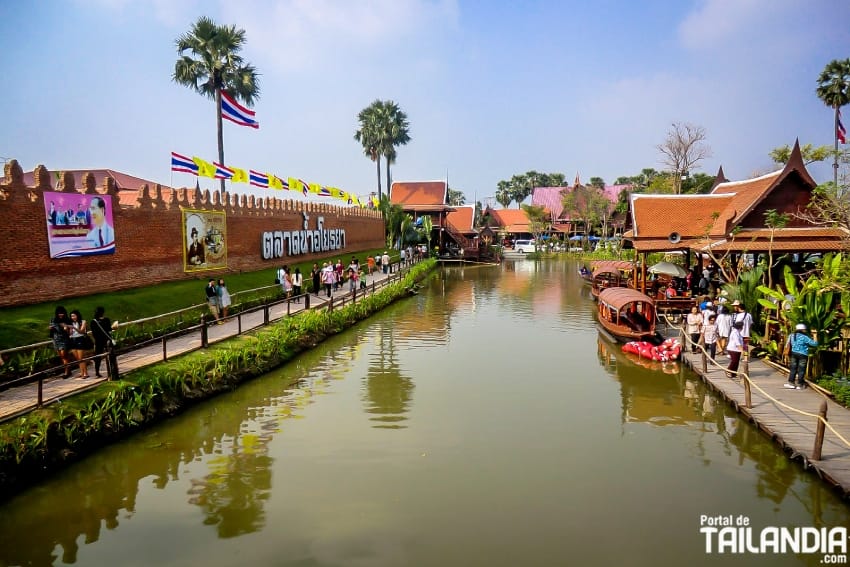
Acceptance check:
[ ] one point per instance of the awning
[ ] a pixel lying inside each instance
(619, 297)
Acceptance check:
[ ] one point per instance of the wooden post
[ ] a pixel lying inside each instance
(164, 349)
(204, 339)
(265, 313)
(40, 391)
(239, 323)
(307, 302)
(748, 392)
(288, 303)
(330, 303)
(816, 452)
(745, 361)
(111, 361)
(704, 362)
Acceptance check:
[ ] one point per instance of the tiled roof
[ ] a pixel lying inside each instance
(747, 193)
(786, 239)
(461, 218)
(418, 193)
(552, 198)
(657, 216)
(512, 220)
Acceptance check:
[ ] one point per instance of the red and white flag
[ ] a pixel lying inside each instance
(840, 131)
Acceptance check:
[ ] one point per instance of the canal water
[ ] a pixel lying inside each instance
(481, 422)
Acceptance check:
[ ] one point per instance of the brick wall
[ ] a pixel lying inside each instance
(149, 236)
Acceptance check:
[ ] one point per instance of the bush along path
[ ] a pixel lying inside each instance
(50, 438)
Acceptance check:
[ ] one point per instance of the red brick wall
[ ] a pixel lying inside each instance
(149, 238)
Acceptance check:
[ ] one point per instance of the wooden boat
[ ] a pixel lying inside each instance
(613, 273)
(627, 315)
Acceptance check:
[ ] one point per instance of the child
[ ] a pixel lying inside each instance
(710, 334)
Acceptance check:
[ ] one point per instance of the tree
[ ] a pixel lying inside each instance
(699, 183)
(456, 198)
(383, 126)
(597, 182)
(537, 221)
(810, 154)
(427, 227)
(503, 194)
(215, 66)
(587, 205)
(682, 151)
(834, 90)
(369, 136)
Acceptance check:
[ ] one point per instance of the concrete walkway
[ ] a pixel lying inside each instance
(22, 399)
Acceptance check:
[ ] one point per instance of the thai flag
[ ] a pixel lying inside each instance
(324, 191)
(236, 113)
(304, 187)
(259, 179)
(222, 171)
(184, 164)
(840, 131)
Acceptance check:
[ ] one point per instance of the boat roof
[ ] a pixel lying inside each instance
(616, 264)
(617, 297)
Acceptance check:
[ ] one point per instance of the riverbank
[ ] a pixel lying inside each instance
(48, 439)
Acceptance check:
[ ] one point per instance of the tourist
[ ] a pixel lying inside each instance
(746, 319)
(799, 344)
(724, 328)
(212, 298)
(287, 282)
(223, 298)
(328, 277)
(297, 282)
(402, 257)
(316, 276)
(694, 323)
(370, 264)
(79, 341)
(385, 262)
(709, 335)
(339, 272)
(101, 330)
(735, 348)
(59, 327)
(671, 291)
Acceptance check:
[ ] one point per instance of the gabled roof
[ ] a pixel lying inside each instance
(406, 193)
(692, 216)
(745, 194)
(461, 218)
(512, 220)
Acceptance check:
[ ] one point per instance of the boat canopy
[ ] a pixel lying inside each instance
(613, 264)
(618, 297)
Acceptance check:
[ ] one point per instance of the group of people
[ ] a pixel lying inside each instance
(727, 332)
(332, 275)
(291, 282)
(70, 335)
(218, 299)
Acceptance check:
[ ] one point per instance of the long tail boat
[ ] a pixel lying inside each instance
(627, 315)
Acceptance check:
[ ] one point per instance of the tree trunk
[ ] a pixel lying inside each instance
(378, 164)
(389, 180)
(220, 137)
(835, 162)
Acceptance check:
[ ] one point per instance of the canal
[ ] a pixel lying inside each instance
(481, 422)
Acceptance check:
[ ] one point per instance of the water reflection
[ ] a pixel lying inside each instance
(664, 394)
(387, 392)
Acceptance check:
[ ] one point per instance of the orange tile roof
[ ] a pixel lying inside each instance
(747, 193)
(461, 218)
(657, 216)
(786, 239)
(418, 193)
(512, 220)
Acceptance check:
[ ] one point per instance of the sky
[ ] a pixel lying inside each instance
(491, 88)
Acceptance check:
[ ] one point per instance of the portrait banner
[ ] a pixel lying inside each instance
(78, 225)
(204, 240)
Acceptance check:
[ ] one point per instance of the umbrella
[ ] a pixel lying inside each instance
(575, 238)
(669, 269)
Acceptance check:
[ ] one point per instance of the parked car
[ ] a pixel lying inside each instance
(524, 246)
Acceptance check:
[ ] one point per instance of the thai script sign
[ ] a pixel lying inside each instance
(280, 243)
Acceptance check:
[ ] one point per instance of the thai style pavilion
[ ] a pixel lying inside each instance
(733, 218)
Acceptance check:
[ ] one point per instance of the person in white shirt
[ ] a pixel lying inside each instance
(746, 321)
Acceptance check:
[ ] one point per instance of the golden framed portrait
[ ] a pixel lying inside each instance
(204, 240)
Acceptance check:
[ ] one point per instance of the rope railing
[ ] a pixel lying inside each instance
(749, 382)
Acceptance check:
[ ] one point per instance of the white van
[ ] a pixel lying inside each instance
(524, 246)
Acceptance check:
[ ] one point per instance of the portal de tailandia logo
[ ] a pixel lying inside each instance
(731, 534)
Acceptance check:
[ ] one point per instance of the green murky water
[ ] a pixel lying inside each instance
(482, 422)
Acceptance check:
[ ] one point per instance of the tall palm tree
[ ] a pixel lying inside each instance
(397, 134)
(383, 126)
(834, 90)
(214, 64)
(369, 135)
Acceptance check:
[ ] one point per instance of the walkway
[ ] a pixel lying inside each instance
(22, 399)
(790, 417)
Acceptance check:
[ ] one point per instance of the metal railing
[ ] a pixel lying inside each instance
(344, 297)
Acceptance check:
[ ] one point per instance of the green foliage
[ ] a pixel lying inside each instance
(839, 386)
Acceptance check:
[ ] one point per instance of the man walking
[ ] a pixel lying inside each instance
(212, 298)
(385, 262)
(798, 343)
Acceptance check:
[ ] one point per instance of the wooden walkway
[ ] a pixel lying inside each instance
(23, 399)
(788, 417)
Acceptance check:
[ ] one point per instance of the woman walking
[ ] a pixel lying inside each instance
(735, 348)
(101, 330)
(316, 275)
(223, 298)
(297, 281)
(79, 338)
(60, 325)
(694, 325)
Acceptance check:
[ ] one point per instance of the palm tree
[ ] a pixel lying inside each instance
(503, 194)
(214, 64)
(383, 126)
(369, 135)
(834, 90)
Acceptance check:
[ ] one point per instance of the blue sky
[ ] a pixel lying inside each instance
(491, 88)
